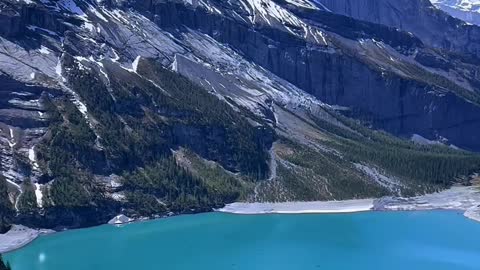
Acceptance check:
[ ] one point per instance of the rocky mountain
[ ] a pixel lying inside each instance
(158, 107)
(466, 10)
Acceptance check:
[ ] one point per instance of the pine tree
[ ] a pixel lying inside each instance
(6, 208)
(27, 202)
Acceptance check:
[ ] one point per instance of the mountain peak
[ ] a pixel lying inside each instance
(466, 10)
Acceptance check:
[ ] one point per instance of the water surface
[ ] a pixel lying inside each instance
(435, 240)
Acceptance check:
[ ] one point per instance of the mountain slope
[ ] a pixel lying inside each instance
(156, 107)
(420, 17)
(466, 10)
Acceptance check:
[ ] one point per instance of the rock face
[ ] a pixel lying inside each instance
(390, 102)
(120, 219)
(148, 107)
(466, 10)
(420, 17)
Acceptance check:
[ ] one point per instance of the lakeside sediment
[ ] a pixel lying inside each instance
(473, 213)
(348, 206)
(459, 198)
(19, 236)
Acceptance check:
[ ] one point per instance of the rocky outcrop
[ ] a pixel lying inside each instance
(419, 17)
(120, 219)
(10, 20)
(468, 11)
(399, 105)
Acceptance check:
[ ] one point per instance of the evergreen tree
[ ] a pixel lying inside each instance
(6, 208)
(27, 201)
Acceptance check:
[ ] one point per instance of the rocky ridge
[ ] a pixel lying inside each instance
(149, 107)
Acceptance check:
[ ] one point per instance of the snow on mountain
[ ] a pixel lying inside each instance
(302, 3)
(466, 10)
(465, 5)
(283, 65)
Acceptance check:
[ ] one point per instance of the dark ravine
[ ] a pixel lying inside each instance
(153, 108)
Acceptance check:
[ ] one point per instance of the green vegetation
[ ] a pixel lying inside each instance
(27, 202)
(324, 175)
(429, 78)
(167, 186)
(69, 192)
(4, 266)
(139, 120)
(144, 204)
(6, 208)
(69, 154)
(331, 170)
(217, 180)
(433, 164)
(135, 121)
(133, 124)
(70, 144)
(232, 136)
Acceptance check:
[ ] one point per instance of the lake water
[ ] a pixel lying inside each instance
(375, 240)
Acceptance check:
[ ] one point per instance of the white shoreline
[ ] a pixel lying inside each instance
(19, 236)
(473, 213)
(459, 198)
(348, 206)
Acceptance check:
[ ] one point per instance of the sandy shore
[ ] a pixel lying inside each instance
(349, 206)
(473, 213)
(19, 236)
(457, 198)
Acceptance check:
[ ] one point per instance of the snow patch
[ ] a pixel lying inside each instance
(464, 5)
(211, 8)
(12, 142)
(274, 15)
(175, 64)
(58, 70)
(118, 196)
(135, 63)
(39, 195)
(120, 219)
(89, 26)
(44, 50)
(302, 3)
(97, 13)
(32, 157)
(422, 140)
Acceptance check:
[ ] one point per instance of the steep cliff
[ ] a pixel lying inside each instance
(419, 17)
(466, 10)
(156, 107)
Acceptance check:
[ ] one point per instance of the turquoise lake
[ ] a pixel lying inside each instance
(434, 240)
